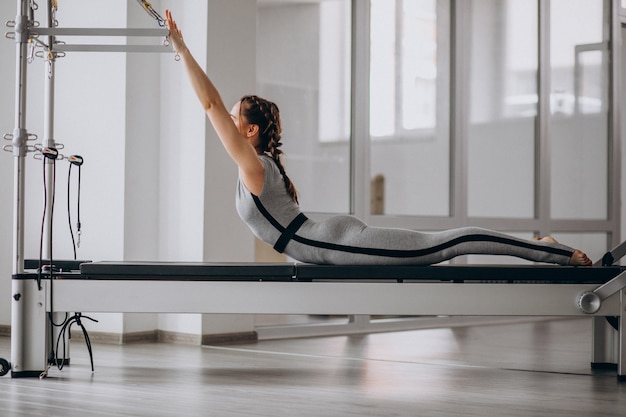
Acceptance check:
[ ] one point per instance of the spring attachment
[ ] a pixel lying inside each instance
(50, 60)
(22, 27)
(20, 139)
(8, 148)
(55, 9)
(150, 10)
(31, 51)
(10, 24)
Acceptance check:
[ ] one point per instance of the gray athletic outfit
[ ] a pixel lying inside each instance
(342, 240)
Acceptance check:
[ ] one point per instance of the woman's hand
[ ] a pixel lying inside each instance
(175, 36)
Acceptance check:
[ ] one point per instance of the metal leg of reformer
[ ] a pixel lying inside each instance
(614, 255)
(605, 344)
(621, 361)
(29, 341)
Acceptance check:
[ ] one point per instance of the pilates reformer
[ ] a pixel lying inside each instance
(292, 288)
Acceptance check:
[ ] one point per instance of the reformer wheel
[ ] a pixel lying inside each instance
(5, 367)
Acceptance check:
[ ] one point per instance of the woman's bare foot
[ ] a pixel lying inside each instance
(548, 239)
(579, 259)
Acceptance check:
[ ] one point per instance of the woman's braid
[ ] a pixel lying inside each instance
(266, 115)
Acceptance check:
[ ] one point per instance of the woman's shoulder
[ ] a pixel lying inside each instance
(267, 161)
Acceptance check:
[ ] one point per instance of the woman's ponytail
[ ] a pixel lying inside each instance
(265, 114)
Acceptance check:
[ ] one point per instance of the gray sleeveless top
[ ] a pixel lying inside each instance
(268, 214)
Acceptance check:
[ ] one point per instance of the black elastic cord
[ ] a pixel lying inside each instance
(78, 223)
(43, 225)
(69, 215)
(66, 327)
(45, 209)
(69, 210)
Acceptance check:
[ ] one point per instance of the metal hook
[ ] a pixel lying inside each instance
(31, 51)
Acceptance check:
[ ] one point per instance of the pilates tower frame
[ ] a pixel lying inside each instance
(28, 301)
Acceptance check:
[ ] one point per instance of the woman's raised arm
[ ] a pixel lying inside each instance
(235, 143)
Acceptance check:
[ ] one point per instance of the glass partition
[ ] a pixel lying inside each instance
(579, 135)
(304, 65)
(409, 105)
(490, 123)
(502, 108)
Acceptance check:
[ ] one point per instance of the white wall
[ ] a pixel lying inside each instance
(147, 147)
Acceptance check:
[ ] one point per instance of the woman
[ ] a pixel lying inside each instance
(267, 200)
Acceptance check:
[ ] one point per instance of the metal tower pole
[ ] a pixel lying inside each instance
(27, 301)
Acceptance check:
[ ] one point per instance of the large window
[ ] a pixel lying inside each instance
(492, 113)
(409, 105)
(502, 108)
(303, 64)
(579, 58)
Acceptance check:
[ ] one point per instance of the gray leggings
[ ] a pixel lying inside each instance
(344, 240)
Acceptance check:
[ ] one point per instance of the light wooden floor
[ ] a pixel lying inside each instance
(538, 368)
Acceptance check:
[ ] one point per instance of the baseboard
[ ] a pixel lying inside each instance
(117, 338)
(207, 339)
(179, 338)
(5, 330)
(157, 336)
(230, 338)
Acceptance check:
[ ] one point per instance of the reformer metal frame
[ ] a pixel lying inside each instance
(223, 294)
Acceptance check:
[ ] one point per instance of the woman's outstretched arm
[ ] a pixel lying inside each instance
(235, 143)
